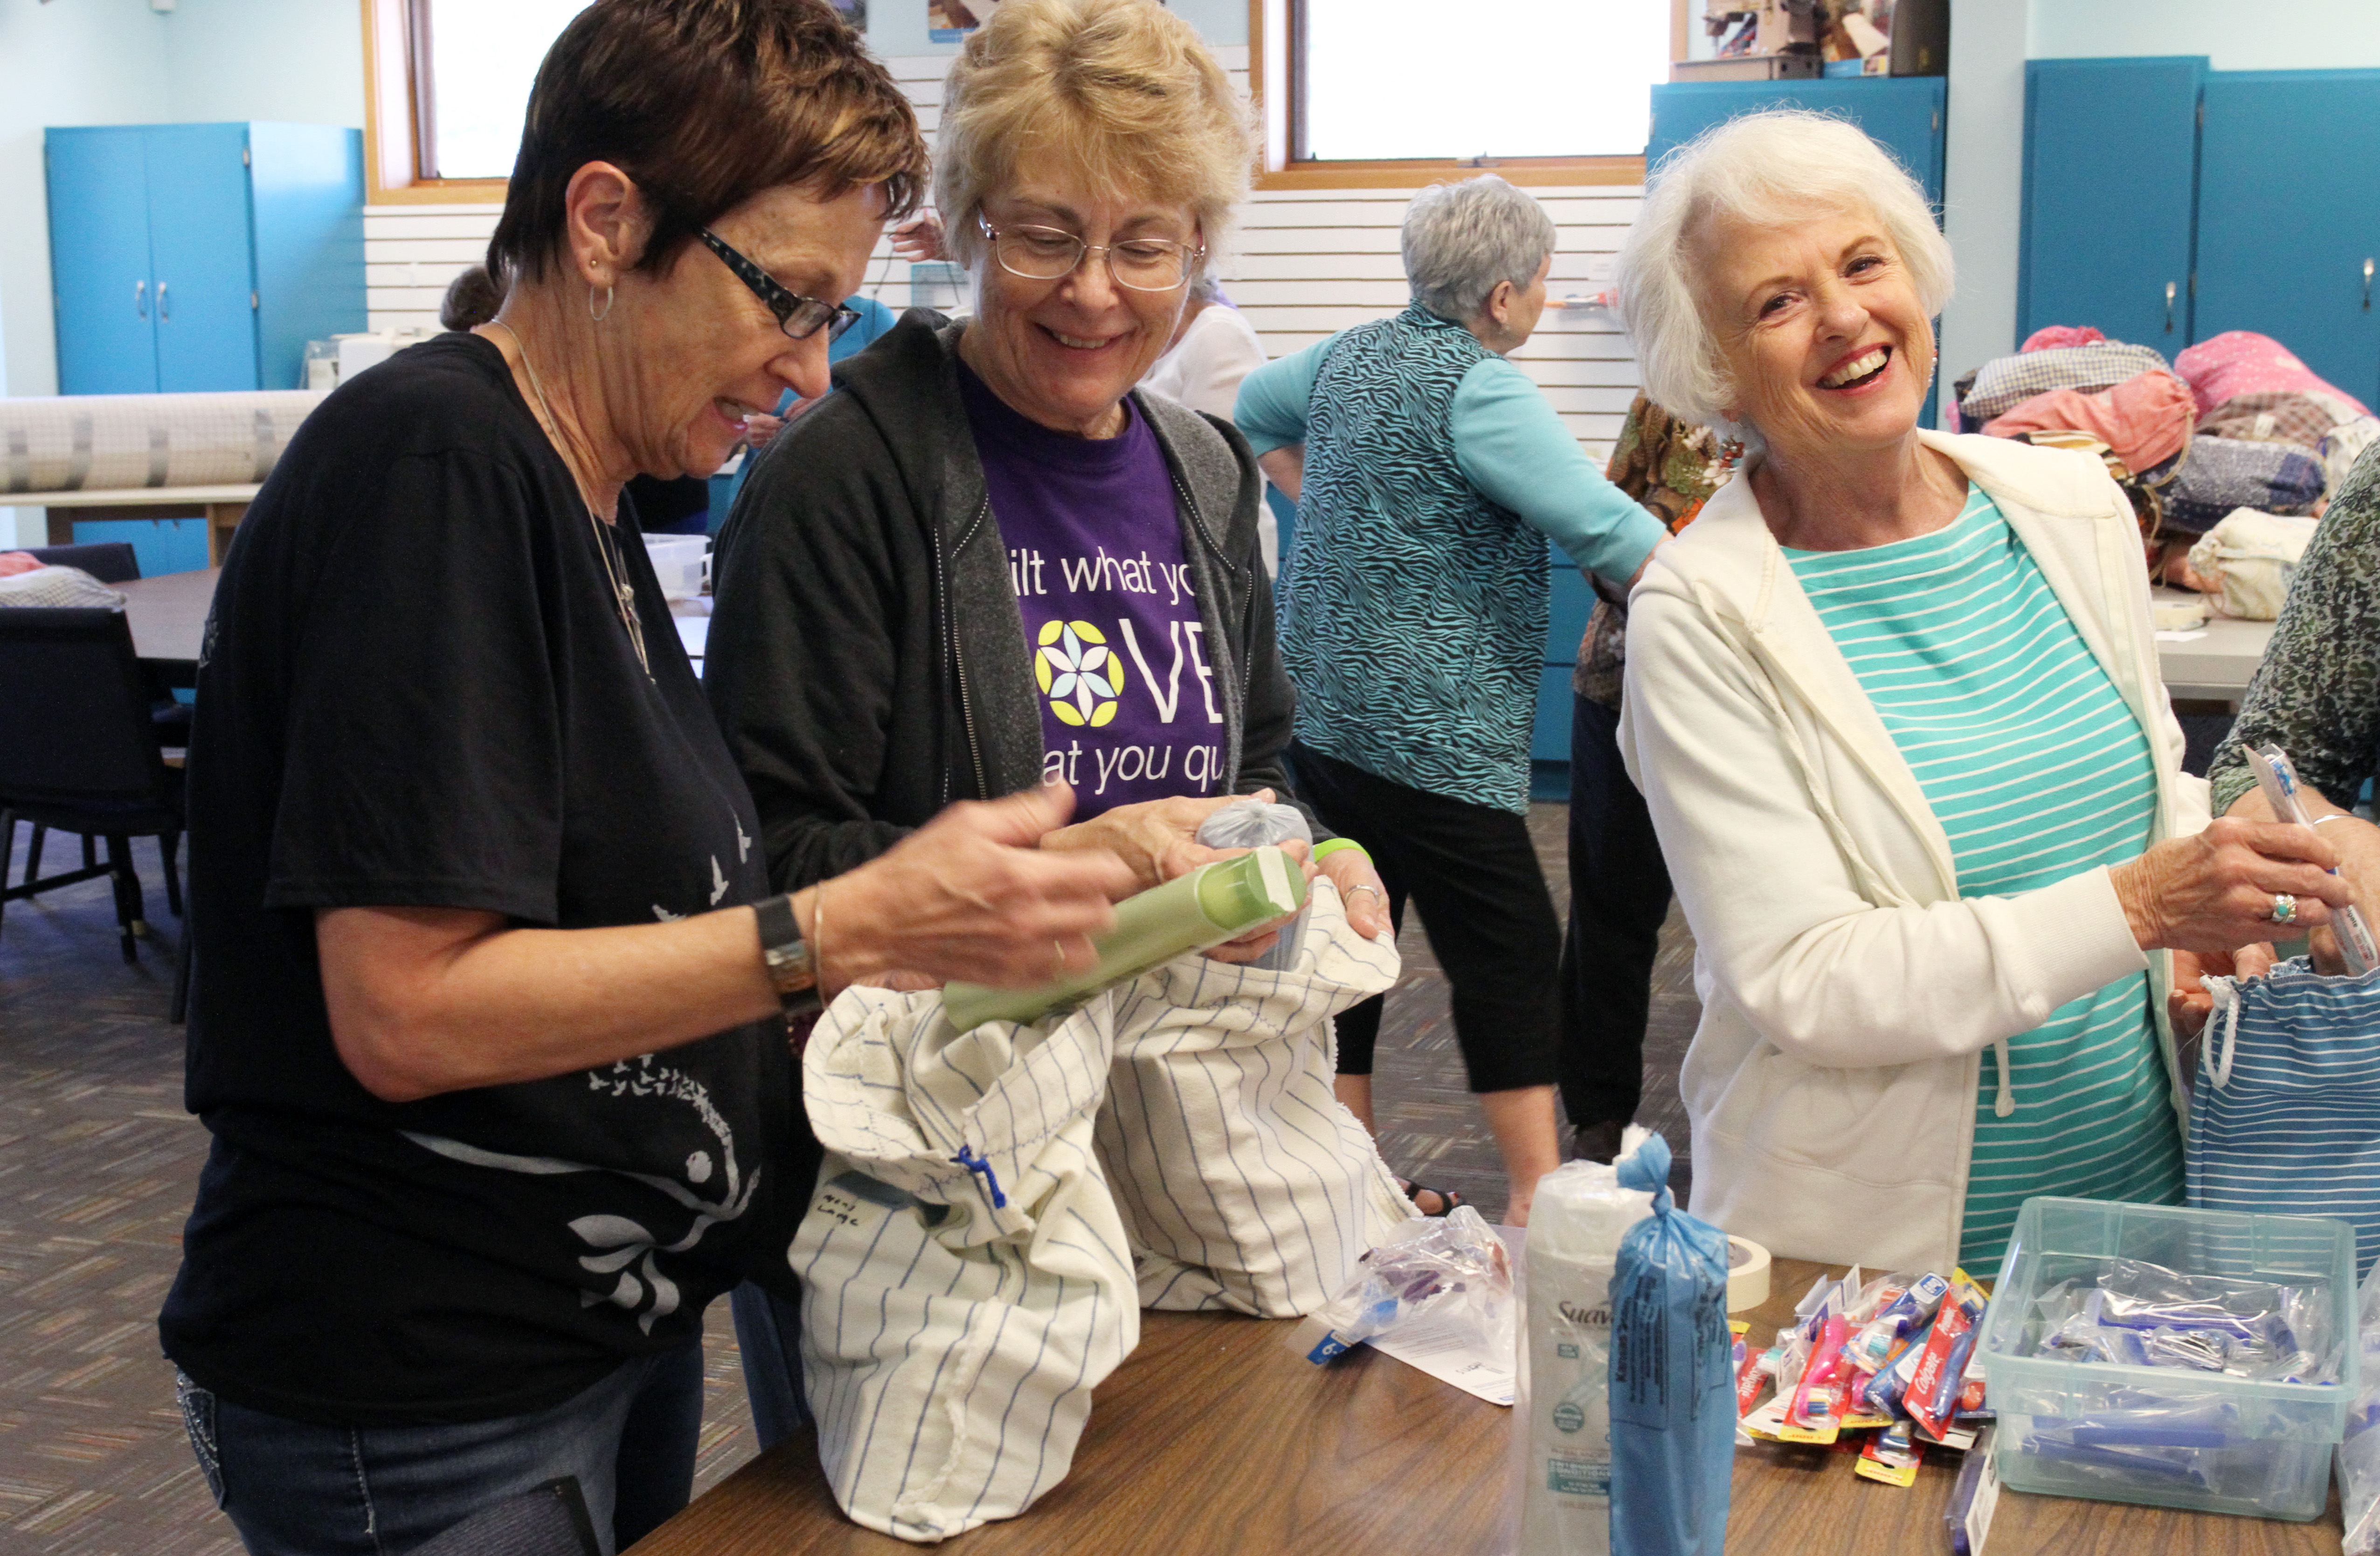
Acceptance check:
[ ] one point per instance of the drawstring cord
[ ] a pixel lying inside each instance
(2005, 1103)
(2223, 1044)
(974, 1164)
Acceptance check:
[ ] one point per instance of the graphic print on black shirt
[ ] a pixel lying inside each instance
(418, 693)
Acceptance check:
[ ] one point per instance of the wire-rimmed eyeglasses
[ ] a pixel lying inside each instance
(1139, 265)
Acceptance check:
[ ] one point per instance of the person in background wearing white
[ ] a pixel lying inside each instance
(1214, 349)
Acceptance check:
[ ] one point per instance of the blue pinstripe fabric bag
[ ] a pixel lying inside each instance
(2285, 1119)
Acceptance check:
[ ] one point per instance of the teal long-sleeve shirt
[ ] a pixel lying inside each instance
(1508, 442)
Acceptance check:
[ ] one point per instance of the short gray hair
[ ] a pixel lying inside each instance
(1766, 169)
(1461, 239)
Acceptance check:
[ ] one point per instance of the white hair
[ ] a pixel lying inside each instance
(1461, 239)
(1766, 169)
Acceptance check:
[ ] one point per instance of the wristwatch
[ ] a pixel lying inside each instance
(792, 967)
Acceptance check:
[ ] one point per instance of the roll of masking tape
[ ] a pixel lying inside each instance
(1747, 1274)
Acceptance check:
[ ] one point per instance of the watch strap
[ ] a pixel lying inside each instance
(789, 957)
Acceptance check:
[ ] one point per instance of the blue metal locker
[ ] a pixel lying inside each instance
(199, 235)
(2289, 216)
(2110, 197)
(101, 280)
(202, 257)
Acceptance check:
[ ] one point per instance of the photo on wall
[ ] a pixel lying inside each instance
(947, 21)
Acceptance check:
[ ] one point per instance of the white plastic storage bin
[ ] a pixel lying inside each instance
(2073, 1428)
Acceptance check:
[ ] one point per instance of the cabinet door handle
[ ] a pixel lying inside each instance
(2170, 287)
(2367, 286)
(140, 299)
(163, 311)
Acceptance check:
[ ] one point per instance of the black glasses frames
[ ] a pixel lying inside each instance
(798, 316)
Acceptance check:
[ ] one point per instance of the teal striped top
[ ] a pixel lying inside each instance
(2037, 770)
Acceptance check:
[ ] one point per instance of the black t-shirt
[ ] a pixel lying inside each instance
(417, 692)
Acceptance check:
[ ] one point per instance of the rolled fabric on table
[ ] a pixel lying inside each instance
(2147, 419)
(2005, 383)
(99, 442)
(2279, 416)
(2244, 362)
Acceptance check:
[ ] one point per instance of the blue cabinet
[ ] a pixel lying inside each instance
(202, 257)
(2110, 197)
(2288, 226)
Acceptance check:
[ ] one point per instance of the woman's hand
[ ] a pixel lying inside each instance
(920, 238)
(1158, 838)
(2214, 892)
(968, 895)
(2186, 1003)
(2357, 844)
(1360, 891)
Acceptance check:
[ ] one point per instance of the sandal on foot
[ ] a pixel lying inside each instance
(1447, 1199)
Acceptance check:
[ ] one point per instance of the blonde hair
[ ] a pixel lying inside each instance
(1764, 169)
(1124, 89)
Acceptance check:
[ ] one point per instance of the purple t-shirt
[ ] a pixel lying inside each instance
(1128, 704)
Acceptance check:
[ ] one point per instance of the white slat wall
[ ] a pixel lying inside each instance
(1307, 262)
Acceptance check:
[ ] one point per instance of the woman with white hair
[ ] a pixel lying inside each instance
(1894, 704)
(1413, 610)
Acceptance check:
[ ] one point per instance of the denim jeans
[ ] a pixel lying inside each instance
(297, 1488)
(767, 1330)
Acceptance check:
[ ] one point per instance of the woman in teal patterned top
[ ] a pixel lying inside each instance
(1893, 702)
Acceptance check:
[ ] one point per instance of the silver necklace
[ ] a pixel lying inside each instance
(624, 595)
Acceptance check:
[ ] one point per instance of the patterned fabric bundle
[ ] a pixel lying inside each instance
(1672, 468)
(2147, 419)
(59, 588)
(2277, 416)
(2220, 474)
(1244, 1182)
(2344, 445)
(2049, 337)
(2285, 1119)
(2005, 383)
(965, 1281)
(2243, 362)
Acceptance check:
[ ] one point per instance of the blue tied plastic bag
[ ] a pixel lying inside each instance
(1672, 1398)
(2285, 1119)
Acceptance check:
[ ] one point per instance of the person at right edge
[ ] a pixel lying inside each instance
(1618, 887)
(1429, 472)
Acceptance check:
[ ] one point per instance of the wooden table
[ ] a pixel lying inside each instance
(168, 614)
(221, 506)
(1212, 1439)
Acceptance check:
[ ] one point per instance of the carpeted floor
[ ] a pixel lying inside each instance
(98, 1164)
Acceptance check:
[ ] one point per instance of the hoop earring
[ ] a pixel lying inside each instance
(608, 299)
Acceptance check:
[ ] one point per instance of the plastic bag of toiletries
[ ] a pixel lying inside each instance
(1562, 1410)
(2359, 1455)
(1673, 1404)
(1252, 823)
(1451, 1271)
(2138, 1314)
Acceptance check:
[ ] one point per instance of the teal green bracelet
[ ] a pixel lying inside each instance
(1328, 847)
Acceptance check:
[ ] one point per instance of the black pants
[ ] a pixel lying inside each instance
(1619, 894)
(1473, 873)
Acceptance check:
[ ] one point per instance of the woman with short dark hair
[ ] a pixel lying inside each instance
(489, 1024)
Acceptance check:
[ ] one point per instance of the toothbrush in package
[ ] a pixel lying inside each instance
(2279, 778)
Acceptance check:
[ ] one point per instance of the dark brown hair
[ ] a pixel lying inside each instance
(705, 104)
(471, 299)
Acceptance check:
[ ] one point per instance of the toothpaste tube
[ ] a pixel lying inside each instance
(1934, 1388)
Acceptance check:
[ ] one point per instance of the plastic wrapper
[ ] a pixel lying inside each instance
(2359, 1455)
(1672, 1402)
(1252, 823)
(1561, 1407)
(2145, 1315)
(1451, 1269)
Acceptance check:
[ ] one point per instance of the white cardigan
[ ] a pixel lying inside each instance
(1848, 990)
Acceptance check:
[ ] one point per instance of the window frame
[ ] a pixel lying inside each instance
(396, 107)
(1276, 81)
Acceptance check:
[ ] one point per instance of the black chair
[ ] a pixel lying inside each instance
(548, 1520)
(78, 755)
(111, 562)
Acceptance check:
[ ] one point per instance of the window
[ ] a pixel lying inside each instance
(470, 99)
(1360, 91)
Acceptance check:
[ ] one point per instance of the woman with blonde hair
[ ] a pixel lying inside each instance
(990, 561)
(1893, 702)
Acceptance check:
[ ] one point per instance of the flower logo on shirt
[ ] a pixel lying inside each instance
(1079, 673)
